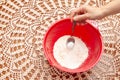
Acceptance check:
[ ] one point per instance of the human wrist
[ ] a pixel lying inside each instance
(104, 11)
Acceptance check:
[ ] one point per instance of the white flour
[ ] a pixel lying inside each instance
(70, 58)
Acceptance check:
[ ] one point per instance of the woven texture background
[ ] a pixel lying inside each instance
(23, 24)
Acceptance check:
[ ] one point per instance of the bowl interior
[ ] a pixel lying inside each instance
(89, 34)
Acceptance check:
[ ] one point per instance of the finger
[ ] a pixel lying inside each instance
(72, 15)
(81, 18)
(77, 11)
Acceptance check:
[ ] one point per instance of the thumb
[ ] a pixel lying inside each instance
(80, 18)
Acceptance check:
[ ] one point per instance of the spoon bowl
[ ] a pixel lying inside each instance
(71, 41)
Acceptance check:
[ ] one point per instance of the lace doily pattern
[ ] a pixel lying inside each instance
(23, 24)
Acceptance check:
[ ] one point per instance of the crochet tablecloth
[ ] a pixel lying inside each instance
(23, 24)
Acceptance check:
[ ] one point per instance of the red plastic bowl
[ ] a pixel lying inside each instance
(88, 33)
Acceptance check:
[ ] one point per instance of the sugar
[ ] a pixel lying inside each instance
(73, 58)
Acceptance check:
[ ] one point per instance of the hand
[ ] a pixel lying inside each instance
(86, 12)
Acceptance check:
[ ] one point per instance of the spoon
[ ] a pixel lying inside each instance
(71, 41)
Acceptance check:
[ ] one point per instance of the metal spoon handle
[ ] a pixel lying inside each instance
(73, 27)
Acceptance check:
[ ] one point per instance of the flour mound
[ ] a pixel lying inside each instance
(70, 58)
